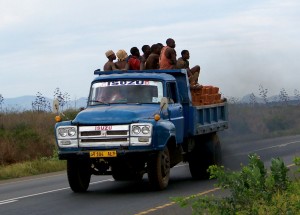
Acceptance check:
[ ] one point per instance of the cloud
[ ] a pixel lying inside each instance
(238, 45)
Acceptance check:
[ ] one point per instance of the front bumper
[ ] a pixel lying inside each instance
(121, 153)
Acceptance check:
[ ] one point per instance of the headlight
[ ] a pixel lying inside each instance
(136, 130)
(72, 132)
(63, 132)
(141, 129)
(67, 132)
(141, 134)
(145, 130)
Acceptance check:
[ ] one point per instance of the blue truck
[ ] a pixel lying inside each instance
(139, 122)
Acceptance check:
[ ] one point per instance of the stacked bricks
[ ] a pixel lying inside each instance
(205, 95)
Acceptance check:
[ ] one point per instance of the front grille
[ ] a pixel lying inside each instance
(113, 135)
(98, 133)
(90, 133)
(104, 140)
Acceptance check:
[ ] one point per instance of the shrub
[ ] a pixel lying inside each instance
(252, 191)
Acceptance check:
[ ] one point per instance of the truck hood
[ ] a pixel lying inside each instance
(115, 114)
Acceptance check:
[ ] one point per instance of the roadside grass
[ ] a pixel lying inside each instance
(29, 168)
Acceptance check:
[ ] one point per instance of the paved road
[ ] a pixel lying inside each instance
(50, 194)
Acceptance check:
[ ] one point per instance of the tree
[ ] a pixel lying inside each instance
(63, 98)
(263, 93)
(253, 100)
(283, 96)
(41, 104)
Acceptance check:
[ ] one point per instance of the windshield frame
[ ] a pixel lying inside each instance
(151, 93)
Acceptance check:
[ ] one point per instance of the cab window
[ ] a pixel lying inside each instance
(172, 92)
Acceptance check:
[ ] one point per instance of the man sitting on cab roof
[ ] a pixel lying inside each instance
(167, 59)
(109, 65)
(183, 63)
(152, 61)
(134, 60)
(147, 51)
(122, 57)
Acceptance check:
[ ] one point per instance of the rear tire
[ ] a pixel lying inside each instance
(79, 175)
(207, 152)
(159, 170)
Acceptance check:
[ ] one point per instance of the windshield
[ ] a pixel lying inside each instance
(126, 91)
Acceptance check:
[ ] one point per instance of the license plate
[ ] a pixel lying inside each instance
(103, 154)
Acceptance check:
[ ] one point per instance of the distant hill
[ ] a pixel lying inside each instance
(23, 103)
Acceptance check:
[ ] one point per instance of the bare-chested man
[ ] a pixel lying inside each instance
(147, 51)
(183, 63)
(152, 61)
(167, 59)
(122, 57)
(109, 65)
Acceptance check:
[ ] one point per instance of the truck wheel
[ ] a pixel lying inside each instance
(159, 170)
(79, 175)
(207, 152)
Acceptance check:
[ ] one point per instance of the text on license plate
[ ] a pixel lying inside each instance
(101, 154)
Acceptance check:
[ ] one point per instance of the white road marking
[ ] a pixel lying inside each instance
(46, 192)
(265, 148)
(7, 201)
(277, 146)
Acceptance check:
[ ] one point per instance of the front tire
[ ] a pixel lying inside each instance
(79, 175)
(159, 170)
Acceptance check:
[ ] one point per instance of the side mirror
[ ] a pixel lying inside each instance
(164, 103)
(55, 106)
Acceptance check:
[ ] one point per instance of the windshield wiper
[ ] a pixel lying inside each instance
(98, 102)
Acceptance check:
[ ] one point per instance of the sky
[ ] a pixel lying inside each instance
(239, 45)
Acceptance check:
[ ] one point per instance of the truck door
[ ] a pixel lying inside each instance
(175, 110)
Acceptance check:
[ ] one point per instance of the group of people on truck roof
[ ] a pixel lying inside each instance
(155, 57)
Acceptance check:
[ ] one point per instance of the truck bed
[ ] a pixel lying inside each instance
(208, 118)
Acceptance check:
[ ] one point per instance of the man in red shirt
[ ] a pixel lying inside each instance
(134, 60)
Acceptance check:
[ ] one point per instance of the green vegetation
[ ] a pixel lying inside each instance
(27, 143)
(252, 190)
(29, 168)
(26, 136)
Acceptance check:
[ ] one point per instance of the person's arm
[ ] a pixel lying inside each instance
(113, 66)
(106, 67)
(180, 64)
(171, 55)
(127, 66)
(142, 63)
